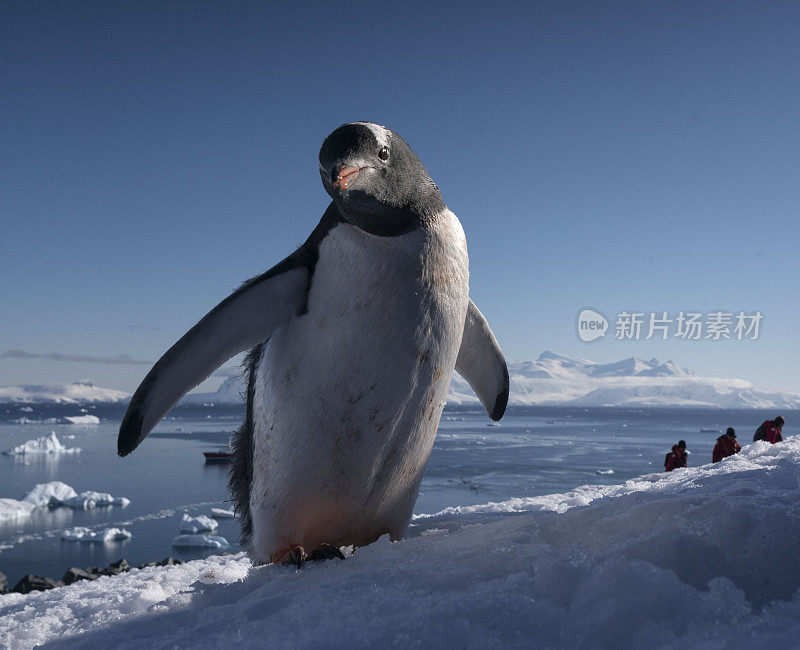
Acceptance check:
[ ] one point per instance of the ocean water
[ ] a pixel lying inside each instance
(532, 451)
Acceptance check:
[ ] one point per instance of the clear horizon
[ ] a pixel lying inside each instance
(621, 158)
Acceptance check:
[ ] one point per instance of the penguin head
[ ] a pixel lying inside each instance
(376, 180)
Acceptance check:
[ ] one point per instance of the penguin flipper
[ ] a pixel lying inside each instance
(480, 361)
(244, 319)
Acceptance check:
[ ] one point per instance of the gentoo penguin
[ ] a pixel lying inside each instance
(353, 340)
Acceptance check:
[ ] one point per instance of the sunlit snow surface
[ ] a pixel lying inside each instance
(704, 556)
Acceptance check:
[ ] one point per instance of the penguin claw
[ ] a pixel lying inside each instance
(294, 556)
(325, 552)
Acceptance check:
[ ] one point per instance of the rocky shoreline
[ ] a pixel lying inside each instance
(32, 582)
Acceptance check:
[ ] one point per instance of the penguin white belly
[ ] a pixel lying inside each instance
(348, 395)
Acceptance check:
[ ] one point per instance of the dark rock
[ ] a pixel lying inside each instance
(95, 571)
(147, 565)
(3, 583)
(35, 583)
(115, 568)
(168, 561)
(74, 574)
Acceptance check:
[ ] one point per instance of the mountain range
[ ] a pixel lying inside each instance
(552, 379)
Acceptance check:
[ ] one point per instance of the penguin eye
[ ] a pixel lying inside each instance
(383, 154)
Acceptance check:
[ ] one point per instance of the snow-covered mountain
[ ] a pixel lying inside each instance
(79, 392)
(231, 391)
(559, 379)
(551, 379)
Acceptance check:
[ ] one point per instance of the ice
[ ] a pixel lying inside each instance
(82, 419)
(12, 510)
(220, 513)
(56, 494)
(604, 472)
(45, 445)
(200, 541)
(197, 524)
(45, 493)
(104, 535)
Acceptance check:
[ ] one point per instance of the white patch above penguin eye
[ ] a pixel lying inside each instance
(381, 133)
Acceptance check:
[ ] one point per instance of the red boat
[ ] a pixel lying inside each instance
(218, 456)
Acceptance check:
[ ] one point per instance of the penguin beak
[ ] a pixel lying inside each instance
(343, 177)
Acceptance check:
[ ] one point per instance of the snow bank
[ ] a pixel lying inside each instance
(82, 419)
(699, 557)
(197, 524)
(104, 535)
(56, 494)
(200, 541)
(45, 445)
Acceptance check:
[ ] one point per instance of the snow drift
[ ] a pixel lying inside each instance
(703, 556)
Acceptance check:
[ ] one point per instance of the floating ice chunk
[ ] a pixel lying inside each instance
(199, 541)
(44, 493)
(220, 513)
(45, 445)
(82, 419)
(604, 472)
(25, 420)
(26, 409)
(101, 536)
(197, 524)
(11, 509)
(105, 499)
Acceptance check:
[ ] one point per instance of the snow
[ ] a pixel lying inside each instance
(699, 557)
(56, 494)
(82, 419)
(197, 524)
(104, 535)
(220, 513)
(79, 392)
(559, 379)
(200, 541)
(45, 445)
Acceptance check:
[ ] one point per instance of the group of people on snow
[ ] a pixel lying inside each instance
(727, 445)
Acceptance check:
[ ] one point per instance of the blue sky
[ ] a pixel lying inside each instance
(622, 156)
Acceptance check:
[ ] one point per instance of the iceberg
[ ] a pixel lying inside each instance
(200, 541)
(13, 510)
(102, 536)
(82, 419)
(56, 494)
(49, 444)
(46, 493)
(197, 524)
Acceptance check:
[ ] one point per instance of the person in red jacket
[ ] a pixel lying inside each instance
(726, 446)
(770, 430)
(677, 457)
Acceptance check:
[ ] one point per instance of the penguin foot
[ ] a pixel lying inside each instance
(292, 556)
(325, 552)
